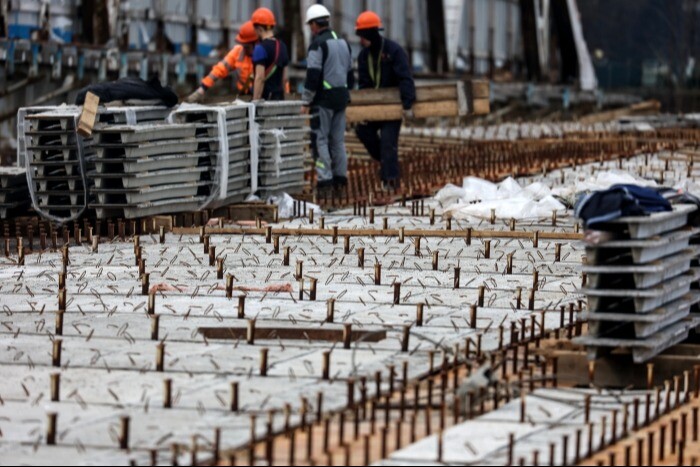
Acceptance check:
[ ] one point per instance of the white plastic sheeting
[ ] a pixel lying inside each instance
(602, 181)
(476, 198)
(285, 206)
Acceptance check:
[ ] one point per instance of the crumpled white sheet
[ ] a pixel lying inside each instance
(285, 206)
(689, 186)
(602, 181)
(475, 199)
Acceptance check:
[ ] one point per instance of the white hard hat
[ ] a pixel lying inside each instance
(316, 12)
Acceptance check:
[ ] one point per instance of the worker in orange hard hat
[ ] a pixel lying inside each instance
(270, 58)
(383, 63)
(238, 60)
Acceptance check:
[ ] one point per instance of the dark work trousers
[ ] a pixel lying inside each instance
(381, 139)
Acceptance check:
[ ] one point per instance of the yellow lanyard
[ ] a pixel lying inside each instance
(378, 78)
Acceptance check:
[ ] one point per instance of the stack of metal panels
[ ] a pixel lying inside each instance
(284, 139)
(209, 138)
(120, 115)
(56, 162)
(13, 190)
(145, 169)
(639, 285)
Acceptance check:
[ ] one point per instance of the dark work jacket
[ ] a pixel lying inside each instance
(329, 74)
(600, 207)
(396, 71)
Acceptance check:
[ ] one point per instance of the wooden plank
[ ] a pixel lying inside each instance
(480, 89)
(88, 115)
(480, 107)
(155, 223)
(249, 212)
(618, 370)
(392, 96)
(646, 107)
(370, 113)
(292, 333)
(382, 233)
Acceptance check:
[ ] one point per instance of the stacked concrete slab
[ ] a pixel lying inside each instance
(145, 169)
(132, 114)
(13, 190)
(56, 159)
(210, 139)
(138, 164)
(639, 285)
(60, 162)
(284, 139)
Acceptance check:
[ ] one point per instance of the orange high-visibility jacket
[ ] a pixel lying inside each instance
(235, 61)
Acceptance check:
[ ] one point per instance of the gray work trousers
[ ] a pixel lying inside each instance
(329, 142)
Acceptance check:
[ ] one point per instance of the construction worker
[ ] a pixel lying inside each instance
(239, 60)
(383, 64)
(270, 58)
(329, 74)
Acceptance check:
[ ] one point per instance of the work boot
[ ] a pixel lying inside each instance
(324, 189)
(391, 185)
(340, 185)
(340, 182)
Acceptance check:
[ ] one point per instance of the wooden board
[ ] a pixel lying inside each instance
(617, 370)
(480, 107)
(249, 212)
(292, 333)
(370, 113)
(444, 100)
(155, 223)
(643, 108)
(284, 231)
(480, 89)
(392, 96)
(88, 115)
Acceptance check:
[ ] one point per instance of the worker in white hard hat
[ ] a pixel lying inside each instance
(329, 76)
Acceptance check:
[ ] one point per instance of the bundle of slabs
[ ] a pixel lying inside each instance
(131, 115)
(14, 196)
(209, 138)
(145, 170)
(56, 170)
(640, 285)
(284, 139)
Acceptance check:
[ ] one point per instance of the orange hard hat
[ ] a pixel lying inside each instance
(368, 20)
(263, 17)
(247, 33)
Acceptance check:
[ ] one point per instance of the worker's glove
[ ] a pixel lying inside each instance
(408, 114)
(195, 97)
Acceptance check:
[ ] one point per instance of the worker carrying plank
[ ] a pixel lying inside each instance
(382, 64)
(238, 62)
(329, 74)
(270, 58)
